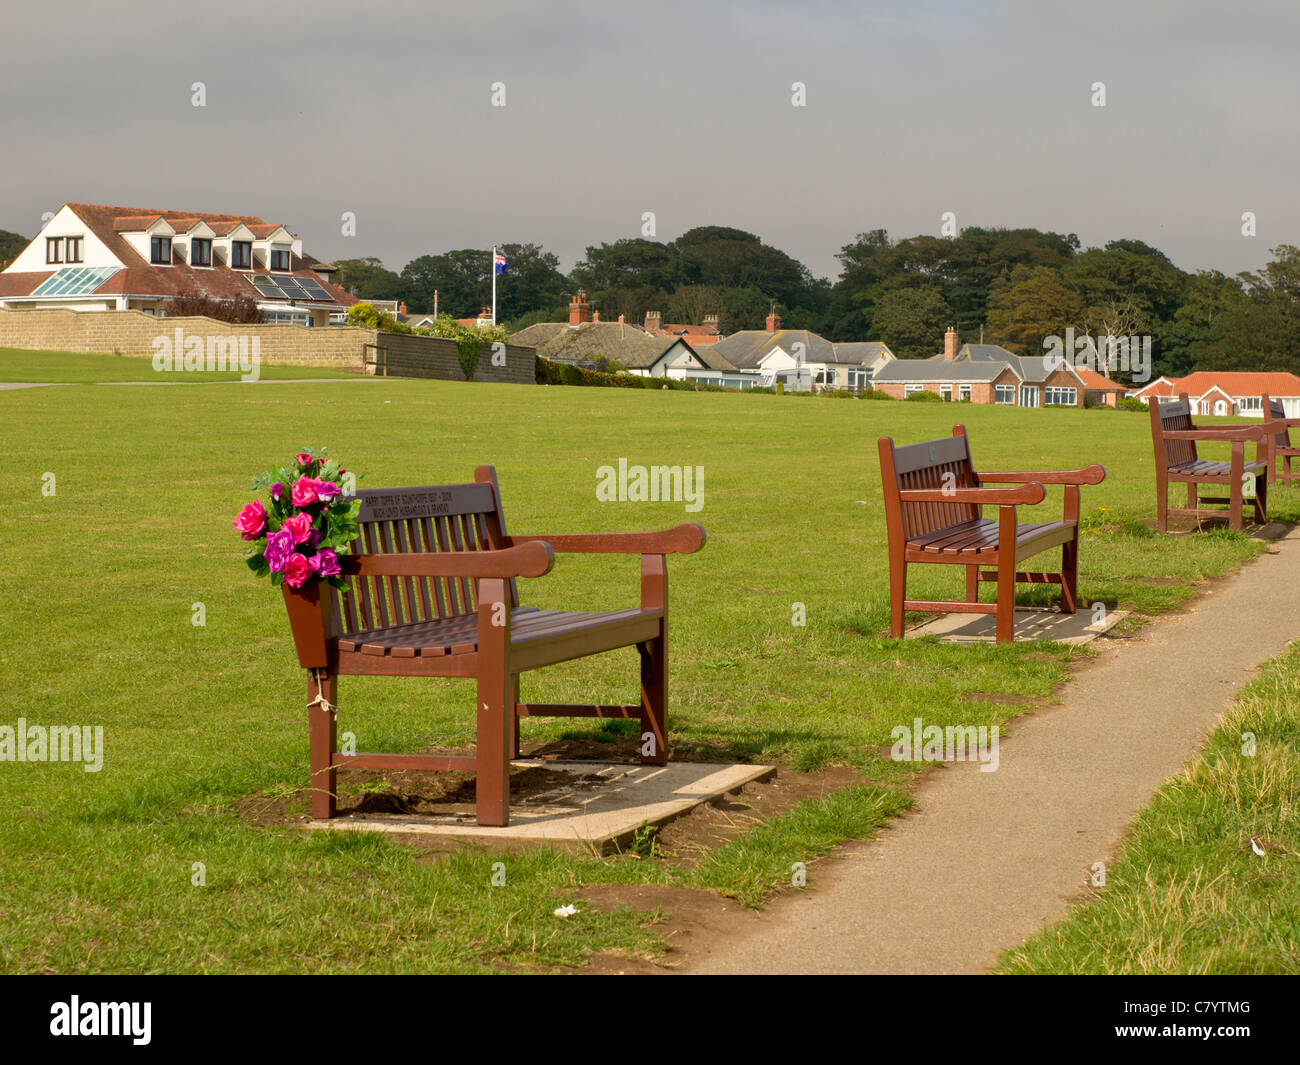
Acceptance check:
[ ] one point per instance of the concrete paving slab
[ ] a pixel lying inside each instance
(587, 816)
(1030, 624)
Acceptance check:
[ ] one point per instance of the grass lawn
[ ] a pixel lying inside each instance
(101, 579)
(66, 367)
(1206, 881)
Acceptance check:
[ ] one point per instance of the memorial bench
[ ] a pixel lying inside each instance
(1279, 441)
(1174, 437)
(434, 594)
(934, 503)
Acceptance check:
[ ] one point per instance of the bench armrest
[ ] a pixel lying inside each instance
(1000, 497)
(525, 560)
(1211, 433)
(1093, 474)
(683, 540)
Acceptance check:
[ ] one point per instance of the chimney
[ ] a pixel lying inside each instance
(653, 321)
(950, 344)
(773, 322)
(579, 310)
(711, 322)
(401, 307)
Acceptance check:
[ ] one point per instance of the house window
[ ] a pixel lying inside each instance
(1028, 396)
(54, 249)
(1005, 395)
(945, 393)
(72, 247)
(859, 377)
(200, 252)
(911, 390)
(241, 254)
(280, 260)
(1247, 404)
(963, 393)
(160, 250)
(1060, 397)
(1205, 406)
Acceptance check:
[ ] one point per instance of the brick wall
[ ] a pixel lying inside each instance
(403, 355)
(133, 333)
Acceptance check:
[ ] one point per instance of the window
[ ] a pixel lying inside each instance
(72, 247)
(241, 254)
(1028, 396)
(859, 377)
(280, 260)
(963, 393)
(54, 249)
(1205, 406)
(1060, 397)
(945, 393)
(160, 250)
(911, 390)
(200, 252)
(1246, 404)
(1005, 395)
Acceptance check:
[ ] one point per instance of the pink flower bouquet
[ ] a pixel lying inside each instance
(311, 520)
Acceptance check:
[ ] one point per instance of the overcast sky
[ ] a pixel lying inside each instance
(384, 108)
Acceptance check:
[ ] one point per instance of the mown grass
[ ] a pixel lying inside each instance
(101, 579)
(1190, 890)
(65, 367)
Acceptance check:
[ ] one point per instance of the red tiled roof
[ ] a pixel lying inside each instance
(1096, 381)
(22, 284)
(1238, 383)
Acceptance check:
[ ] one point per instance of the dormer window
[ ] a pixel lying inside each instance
(160, 251)
(72, 250)
(200, 252)
(53, 250)
(241, 254)
(280, 260)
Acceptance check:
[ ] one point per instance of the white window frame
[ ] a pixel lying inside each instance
(1028, 396)
(1004, 395)
(963, 393)
(911, 390)
(945, 393)
(1060, 396)
(1250, 404)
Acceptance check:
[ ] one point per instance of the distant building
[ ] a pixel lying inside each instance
(1227, 393)
(95, 258)
(773, 351)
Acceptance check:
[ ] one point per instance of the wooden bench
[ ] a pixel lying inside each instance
(1279, 440)
(934, 503)
(434, 594)
(1174, 437)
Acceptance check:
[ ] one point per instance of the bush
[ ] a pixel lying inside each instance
(871, 393)
(241, 310)
(925, 397)
(559, 373)
(1131, 403)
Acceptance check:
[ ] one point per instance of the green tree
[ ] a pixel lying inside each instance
(463, 281)
(369, 279)
(911, 321)
(1022, 313)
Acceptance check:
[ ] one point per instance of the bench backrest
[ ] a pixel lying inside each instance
(931, 465)
(1275, 410)
(1172, 416)
(433, 518)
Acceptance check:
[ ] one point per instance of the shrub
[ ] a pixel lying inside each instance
(1131, 403)
(925, 397)
(240, 310)
(871, 393)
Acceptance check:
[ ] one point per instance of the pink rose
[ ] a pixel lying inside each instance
(296, 571)
(300, 526)
(326, 563)
(326, 489)
(305, 491)
(251, 521)
(303, 459)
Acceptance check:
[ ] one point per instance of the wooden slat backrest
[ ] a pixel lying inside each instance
(1275, 410)
(430, 518)
(928, 466)
(1169, 417)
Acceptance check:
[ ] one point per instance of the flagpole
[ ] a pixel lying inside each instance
(494, 284)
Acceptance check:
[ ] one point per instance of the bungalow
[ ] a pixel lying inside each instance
(773, 352)
(94, 258)
(1231, 393)
(988, 373)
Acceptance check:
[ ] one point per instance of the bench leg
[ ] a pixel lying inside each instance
(322, 727)
(1070, 575)
(897, 596)
(1261, 499)
(654, 699)
(496, 712)
(972, 584)
(514, 740)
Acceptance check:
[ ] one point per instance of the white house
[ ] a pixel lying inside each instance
(1229, 393)
(94, 258)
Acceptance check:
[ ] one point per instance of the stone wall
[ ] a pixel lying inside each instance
(133, 333)
(404, 355)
